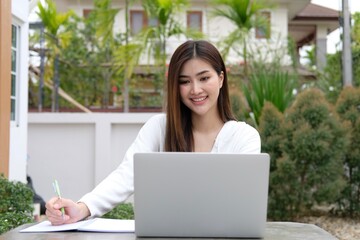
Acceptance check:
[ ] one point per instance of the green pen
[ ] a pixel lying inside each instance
(57, 191)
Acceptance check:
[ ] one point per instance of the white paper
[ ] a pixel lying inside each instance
(92, 225)
(109, 225)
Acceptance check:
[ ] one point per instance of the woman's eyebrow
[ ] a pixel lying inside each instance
(198, 74)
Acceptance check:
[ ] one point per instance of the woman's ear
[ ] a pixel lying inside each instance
(221, 79)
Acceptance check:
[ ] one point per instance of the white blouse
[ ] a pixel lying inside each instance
(234, 137)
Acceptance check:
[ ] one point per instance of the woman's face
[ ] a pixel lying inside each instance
(199, 87)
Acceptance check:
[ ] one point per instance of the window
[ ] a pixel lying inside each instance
(14, 71)
(194, 20)
(139, 21)
(86, 12)
(264, 30)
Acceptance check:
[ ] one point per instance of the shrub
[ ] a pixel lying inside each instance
(348, 108)
(271, 131)
(281, 183)
(16, 204)
(238, 107)
(122, 211)
(282, 191)
(314, 143)
(306, 144)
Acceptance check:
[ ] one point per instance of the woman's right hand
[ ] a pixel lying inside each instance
(73, 211)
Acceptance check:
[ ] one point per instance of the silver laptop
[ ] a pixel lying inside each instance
(200, 194)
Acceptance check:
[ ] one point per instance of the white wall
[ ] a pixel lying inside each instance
(18, 129)
(78, 149)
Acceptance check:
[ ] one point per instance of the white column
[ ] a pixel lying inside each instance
(347, 55)
(321, 34)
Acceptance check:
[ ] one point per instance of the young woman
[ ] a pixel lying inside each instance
(198, 119)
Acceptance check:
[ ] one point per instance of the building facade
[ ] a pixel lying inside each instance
(304, 22)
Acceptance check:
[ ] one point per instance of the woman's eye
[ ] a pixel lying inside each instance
(182, 81)
(204, 78)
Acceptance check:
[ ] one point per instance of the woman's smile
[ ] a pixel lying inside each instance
(198, 100)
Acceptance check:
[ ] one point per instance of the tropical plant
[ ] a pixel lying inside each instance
(245, 16)
(95, 58)
(155, 37)
(52, 21)
(104, 29)
(129, 65)
(269, 84)
(109, 49)
(348, 108)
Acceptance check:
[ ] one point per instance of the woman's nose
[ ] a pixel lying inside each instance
(196, 88)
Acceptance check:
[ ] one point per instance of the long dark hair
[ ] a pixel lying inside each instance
(179, 137)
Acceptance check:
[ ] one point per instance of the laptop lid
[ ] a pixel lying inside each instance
(200, 194)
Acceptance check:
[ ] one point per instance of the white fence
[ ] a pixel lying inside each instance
(77, 149)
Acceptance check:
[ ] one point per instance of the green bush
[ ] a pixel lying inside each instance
(271, 131)
(282, 191)
(308, 145)
(281, 183)
(122, 211)
(238, 106)
(16, 204)
(348, 108)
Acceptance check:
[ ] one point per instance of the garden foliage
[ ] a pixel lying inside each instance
(16, 204)
(307, 146)
(348, 108)
(270, 84)
(122, 211)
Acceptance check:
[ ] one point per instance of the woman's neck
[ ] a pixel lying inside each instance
(206, 124)
(205, 132)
